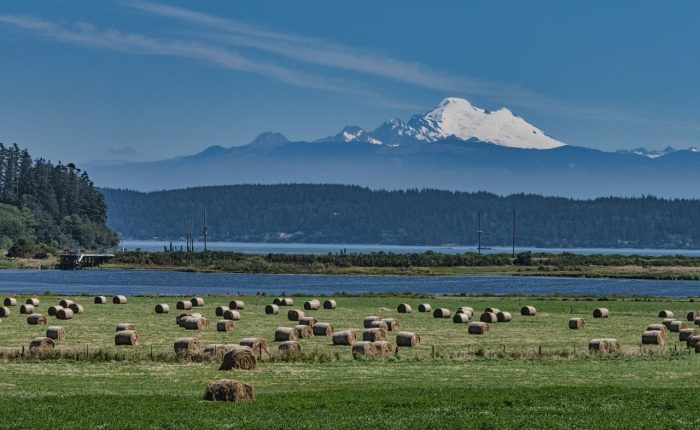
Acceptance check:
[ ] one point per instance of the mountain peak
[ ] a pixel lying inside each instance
(270, 138)
(458, 117)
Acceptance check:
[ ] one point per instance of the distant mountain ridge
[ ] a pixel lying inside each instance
(454, 146)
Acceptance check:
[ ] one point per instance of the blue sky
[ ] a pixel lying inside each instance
(84, 80)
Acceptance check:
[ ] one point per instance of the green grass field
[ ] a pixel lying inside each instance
(452, 380)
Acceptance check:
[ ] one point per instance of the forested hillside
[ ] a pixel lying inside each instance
(351, 214)
(46, 207)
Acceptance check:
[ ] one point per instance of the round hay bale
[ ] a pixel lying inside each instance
(323, 329)
(219, 311)
(598, 345)
(666, 314)
(32, 301)
(239, 357)
(36, 319)
(465, 310)
(64, 314)
(379, 324)
(677, 326)
(272, 309)
(478, 327)
(295, 314)
(76, 308)
(461, 318)
(441, 313)
(65, 303)
(180, 316)
(392, 324)
(373, 334)
(230, 314)
(285, 333)
(9, 301)
(289, 347)
(197, 302)
(690, 316)
(100, 300)
(304, 331)
(404, 308)
(693, 341)
(126, 338)
(528, 311)
(686, 333)
(425, 307)
(407, 339)
(5, 312)
(653, 337)
(214, 350)
(229, 390)
(41, 344)
(312, 305)
(488, 317)
(667, 322)
(186, 345)
(384, 348)
(604, 345)
(504, 316)
(492, 310)
(236, 304)
(162, 308)
(660, 327)
(184, 305)
(224, 325)
(577, 323)
(364, 349)
(310, 321)
(55, 332)
(600, 313)
(193, 323)
(125, 326)
(697, 348)
(697, 321)
(368, 320)
(257, 344)
(283, 301)
(119, 300)
(344, 337)
(53, 309)
(26, 309)
(329, 304)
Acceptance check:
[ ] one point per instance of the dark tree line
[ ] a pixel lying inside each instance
(351, 214)
(47, 206)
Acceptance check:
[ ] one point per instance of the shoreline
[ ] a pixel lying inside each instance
(678, 268)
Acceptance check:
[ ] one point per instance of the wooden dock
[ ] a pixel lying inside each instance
(77, 261)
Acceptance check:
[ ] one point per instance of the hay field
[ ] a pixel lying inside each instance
(451, 380)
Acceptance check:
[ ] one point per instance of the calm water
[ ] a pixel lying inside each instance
(181, 283)
(309, 248)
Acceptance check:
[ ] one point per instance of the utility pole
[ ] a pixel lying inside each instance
(478, 230)
(205, 227)
(514, 232)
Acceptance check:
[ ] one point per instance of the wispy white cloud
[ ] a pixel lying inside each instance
(235, 33)
(87, 34)
(218, 41)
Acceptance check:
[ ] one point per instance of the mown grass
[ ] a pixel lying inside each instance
(452, 380)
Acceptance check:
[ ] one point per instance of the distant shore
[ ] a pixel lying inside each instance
(418, 264)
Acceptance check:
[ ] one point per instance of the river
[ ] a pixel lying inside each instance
(145, 282)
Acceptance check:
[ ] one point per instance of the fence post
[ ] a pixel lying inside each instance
(539, 350)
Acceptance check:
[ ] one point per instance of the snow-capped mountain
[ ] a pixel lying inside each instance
(454, 117)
